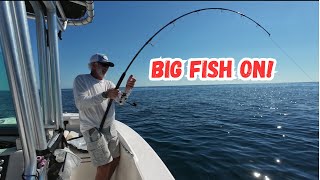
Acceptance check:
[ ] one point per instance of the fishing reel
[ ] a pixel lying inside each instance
(124, 98)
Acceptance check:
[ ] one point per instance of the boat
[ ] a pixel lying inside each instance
(28, 146)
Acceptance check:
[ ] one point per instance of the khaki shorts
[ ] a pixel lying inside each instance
(103, 147)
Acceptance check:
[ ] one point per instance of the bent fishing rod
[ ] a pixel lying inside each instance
(149, 40)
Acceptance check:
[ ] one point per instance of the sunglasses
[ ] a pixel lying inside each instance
(103, 64)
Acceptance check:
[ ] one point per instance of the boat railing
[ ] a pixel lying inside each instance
(35, 113)
(17, 55)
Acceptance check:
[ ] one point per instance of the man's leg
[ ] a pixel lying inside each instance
(103, 172)
(100, 155)
(113, 167)
(106, 171)
(114, 148)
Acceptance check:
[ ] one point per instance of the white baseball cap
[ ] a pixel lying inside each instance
(101, 58)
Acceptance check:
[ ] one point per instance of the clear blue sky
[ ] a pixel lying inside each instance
(119, 29)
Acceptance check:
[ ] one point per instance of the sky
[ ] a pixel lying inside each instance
(119, 29)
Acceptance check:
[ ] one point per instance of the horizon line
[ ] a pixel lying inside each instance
(218, 84)
(261, 83)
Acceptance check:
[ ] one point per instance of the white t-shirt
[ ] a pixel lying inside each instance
(87, 92)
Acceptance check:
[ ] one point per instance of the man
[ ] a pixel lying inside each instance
(92, 94)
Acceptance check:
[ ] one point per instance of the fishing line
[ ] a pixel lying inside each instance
(289, 57)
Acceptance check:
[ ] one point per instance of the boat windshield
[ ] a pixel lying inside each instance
(8, 123)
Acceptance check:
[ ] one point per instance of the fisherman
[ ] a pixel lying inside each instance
(92, 93)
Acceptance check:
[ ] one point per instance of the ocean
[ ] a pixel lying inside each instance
(226, 132)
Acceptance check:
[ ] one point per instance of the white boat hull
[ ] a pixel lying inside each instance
(138, 161)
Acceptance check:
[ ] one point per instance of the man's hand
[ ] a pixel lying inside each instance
(111, 93)
(130, 82)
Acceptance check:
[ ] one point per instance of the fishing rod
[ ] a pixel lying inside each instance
(147, 42)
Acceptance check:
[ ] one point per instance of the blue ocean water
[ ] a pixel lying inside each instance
(261, 131)
(226, 132)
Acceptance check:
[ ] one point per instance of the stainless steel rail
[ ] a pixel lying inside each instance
(44, 69)
(14, 41)
(54, 59)
(63, 21)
